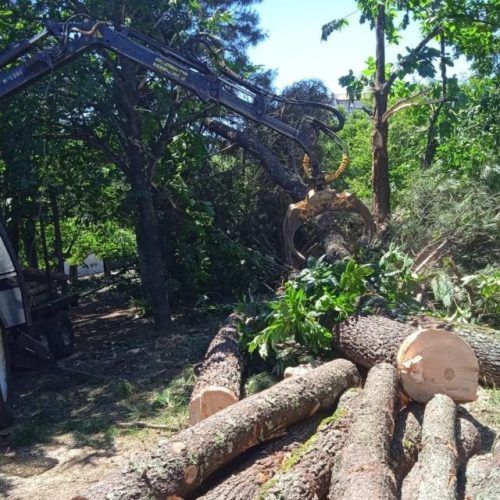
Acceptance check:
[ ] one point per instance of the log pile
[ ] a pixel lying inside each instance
(381, 440)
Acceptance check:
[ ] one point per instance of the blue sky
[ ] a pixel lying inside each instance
(293, 46)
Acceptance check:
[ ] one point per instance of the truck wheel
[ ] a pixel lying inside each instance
(60, 335)
(5, 383)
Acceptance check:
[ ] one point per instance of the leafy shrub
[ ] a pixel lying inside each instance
(301, 314)
(395, 280)
(473, 298)
(466, 212)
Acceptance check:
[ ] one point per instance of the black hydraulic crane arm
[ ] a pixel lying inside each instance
(78, 36)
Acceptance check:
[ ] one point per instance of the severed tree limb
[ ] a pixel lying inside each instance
(246, 481)
(407, 438)
(364, 470)
(307, 476)
(482, 476)
(282, 176)
(435, 474)
(368, 340)
(219, 383)
(181, 463)
(407, 103)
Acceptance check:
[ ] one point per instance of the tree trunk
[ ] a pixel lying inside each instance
(219, 384)
(58, 246)
(307, 475)
(154, 282)
(406, 441)
(435, 474)
(180, 464)
(364, 470)
(368, 340)
(73, 274)
(247, 481)
(29, 242)
(380, 135)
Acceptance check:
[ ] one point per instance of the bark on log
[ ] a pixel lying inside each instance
(435, 474)
(245, 482)
(406, 441)
(181, 463)
(219, 383)
(364, 470)
(307, 476)
(482, 477)
(368, 340)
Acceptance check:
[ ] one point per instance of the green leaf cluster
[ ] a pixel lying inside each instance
(302, 313)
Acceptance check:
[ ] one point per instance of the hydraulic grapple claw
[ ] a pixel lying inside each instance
(318, 202)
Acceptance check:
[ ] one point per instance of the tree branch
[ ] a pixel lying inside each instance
(407, 104)
(87, 135)
(404, 62)
(282, 176)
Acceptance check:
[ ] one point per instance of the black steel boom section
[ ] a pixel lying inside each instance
(244, 98)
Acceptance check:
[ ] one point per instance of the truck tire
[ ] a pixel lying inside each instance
(5, 383)
(60, 335)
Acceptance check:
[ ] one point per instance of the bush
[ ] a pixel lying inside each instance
(464, 211)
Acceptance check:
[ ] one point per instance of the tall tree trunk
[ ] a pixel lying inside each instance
(56, 219)
(380, 136)
(29, 241)
(154, 282)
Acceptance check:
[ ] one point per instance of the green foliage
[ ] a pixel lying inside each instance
(178, 392)
(334, 25)
(396, 281)
(296, 316)
(259, 382)
(437, 206)
(473, 298)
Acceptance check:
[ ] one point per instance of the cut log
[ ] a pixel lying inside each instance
(307, 474)
(364, 470)
(299, 370)
(406, 441)
(219, 383)
(434, 361)
(368, 340)
(181, 463)
(435, 474)
(482, 477)
(245, 482)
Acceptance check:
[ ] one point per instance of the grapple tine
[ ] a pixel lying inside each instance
(317, 203)
(295, 216)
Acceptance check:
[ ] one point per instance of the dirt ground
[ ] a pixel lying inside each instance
(68, 430)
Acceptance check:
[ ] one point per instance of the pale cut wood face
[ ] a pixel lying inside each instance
(434, 361)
